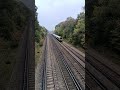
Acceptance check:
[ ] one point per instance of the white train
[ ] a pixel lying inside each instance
(59, 38)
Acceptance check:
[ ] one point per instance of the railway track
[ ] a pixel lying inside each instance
(71, 64)
(74, 52)
(43, 68)
(54, 70)
(108, 72)
(28, 65)
(95, 81)
(77, 68)
(68, 75)
(22, 77)
(50, 70)
(25, 70)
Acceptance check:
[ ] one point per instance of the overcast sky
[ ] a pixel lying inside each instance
(52, 12)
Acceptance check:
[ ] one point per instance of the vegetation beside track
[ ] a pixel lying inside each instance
(103, 27)
(100, 29)
(73, 30)
(14, 17)
(40, 34)
(102, 23)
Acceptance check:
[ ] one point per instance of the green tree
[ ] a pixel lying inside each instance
(103, 23)
(13, 19)
(73, 30)
(40, 31)
(79, 31)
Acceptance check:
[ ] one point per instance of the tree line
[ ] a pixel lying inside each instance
(103, 23)
(13, 19)
(40, 31)
(73, 30)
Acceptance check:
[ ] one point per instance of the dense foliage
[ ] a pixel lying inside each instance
(40, 32)
(73, 30)
(103, 23)
(13, 18)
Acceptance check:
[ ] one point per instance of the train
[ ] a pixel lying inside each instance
(59, 38)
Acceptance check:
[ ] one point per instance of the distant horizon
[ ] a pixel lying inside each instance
(53, 12)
